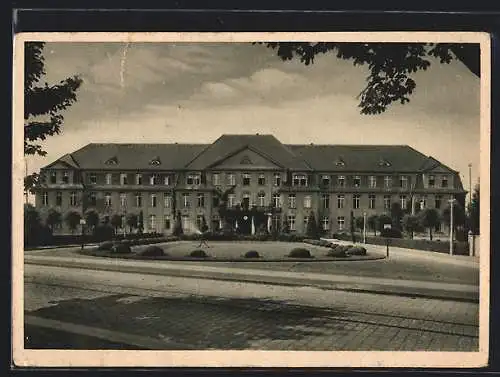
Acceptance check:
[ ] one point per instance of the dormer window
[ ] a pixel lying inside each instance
(155, 161)
(153, 179)
(357, 181)
(193, 179)
(65, 178)
(384, 163)
(112, 161)
(340, 162)
(325, 180)
(299, 180)
(444, 181)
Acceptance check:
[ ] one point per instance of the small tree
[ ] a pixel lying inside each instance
(204, 225)
(32, 224)
(72, 218)
(396, 215)
(116, 222)
(372, 222)
(53, 219)
(458, 215)
(91, 219)
(131, 221)
(284, 227)
(360, 222)
(140, 222)
(383, 219)
(312, 230)
(473, 210)
(410, 224)
(429, 218)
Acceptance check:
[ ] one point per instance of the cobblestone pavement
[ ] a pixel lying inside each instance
(190, 314)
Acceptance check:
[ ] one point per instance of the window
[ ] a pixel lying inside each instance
(123, 179)
(185, 222)
(277, 179)
(200, 199)
(167, 200)
(371, 201)
(299, 180)
(325, 200)
(246, 179)
(357, 181)
(402, 201)
(185, 200)
(138, 179)
(340, 200)
(292, 201)
(108, 178)
(107, 199)
(112, 161)
(58, 198)
(437, 201)
(167, 180)
(325, 180)
(93, 199)
(306, 221)
(231, 180)
(153, 200)
(155, 162)
(341, 222)
(72, 199)
(355, 201)
(138, 199)
(152, 222)
(276, 221)
(291, 222)
(403, 181)
(45, 198)
(230, 200)
(387, 202)
(387, 181)
(423, 202)
(444, 181)
(123, 199)
(325, 221)
(246, 200)
(262, 180)
(65, 177)
(153, 179)
(307, 201)
(340, 162)
(372, 181)
(216, 179)
(276, 200)
(261, 199)
(123, 222)
(193, 179)
(53, 177)
(341, 181)
(166, 221)
(93, 178)
(199, 222)
(432, 181)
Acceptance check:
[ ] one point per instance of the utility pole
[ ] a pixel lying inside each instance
(452, 201)
(470, 185)
(364, 227)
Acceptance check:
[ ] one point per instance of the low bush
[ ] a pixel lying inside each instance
(300, 252)
(105, 246)
(324, 243)
(334, 246)
(337, 253)
(252, 254)
(391, 233)
(121, 248)
(152, 251)
(198, 253)
(356, 250)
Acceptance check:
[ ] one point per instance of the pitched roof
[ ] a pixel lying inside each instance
(431, 163)
(376, 158)
(136, 156)
(266, 145)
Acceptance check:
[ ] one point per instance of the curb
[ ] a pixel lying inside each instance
(303, 281)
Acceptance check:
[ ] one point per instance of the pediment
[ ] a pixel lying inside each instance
(59, 165)
(246, 159)
(439, 169)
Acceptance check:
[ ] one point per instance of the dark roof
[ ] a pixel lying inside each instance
(267, 145)
(349, 158)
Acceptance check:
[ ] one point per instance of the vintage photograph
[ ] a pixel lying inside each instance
(253, 193)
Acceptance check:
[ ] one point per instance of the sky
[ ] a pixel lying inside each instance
(194, 92)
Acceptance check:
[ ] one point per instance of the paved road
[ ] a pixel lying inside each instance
(71, 308)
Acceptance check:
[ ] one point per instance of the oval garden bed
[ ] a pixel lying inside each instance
(231, 251)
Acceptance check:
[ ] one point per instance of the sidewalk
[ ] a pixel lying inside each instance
(401, 287)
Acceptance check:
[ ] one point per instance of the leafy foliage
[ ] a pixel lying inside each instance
(458, 215)
(410, 224)
(132, 220)
(116, 221)
(53, 218)
(473, 210)
(72, 218)
(390, 65)
(312, 230)
(429, 218)
(372, 223)
(91, 218)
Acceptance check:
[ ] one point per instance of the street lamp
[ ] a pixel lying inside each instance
(451, 201)
(364, 227)
(82, 223)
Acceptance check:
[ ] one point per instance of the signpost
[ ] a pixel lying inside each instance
(82, 223)
(387, 239)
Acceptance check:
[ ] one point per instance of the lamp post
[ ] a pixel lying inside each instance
(451, 201)
(470, 185)
(364, 227)
(82, 223)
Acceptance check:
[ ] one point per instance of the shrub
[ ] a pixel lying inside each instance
(103, 233)
(334, 246)
(121, 248)
(356, 250)
(324, 243)
(198, 253)
(300, 252)
(391, 233)
(338, 252)
(108, 246)
(152, 251)
(252, 254)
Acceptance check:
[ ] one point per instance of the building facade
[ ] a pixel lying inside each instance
(284, 183)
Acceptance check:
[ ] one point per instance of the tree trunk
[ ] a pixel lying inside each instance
(430, 233)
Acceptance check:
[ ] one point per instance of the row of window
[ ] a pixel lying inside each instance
(299, 180)
(261, 200)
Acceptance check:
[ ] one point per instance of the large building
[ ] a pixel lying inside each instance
(283, 183)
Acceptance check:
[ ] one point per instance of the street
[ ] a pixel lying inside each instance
(91, 309)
